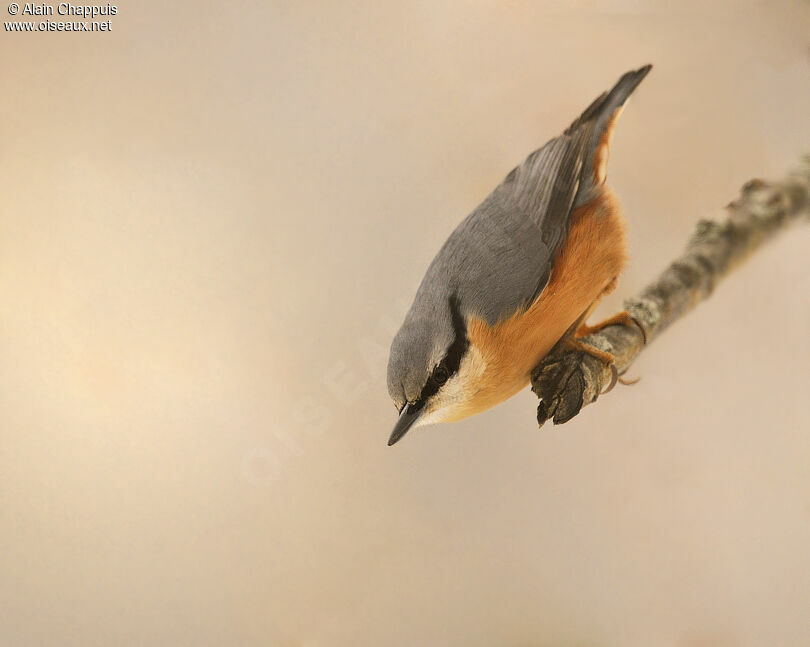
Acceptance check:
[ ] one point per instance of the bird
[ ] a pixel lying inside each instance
(520, 273)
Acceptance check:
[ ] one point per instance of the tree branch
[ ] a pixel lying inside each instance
(567, 380)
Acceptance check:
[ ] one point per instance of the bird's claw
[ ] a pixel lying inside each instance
(614, 377)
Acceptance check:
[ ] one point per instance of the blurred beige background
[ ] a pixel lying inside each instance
(212, 220)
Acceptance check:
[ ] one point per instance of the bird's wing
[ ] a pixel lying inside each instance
(499, 258)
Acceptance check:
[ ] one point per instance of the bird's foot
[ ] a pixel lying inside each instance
(575, 343)
(622, 318)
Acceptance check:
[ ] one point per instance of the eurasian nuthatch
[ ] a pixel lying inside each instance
(522, 271)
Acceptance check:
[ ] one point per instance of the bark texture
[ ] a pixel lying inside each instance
(567, 380)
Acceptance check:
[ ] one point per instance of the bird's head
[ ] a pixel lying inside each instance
(432, 368)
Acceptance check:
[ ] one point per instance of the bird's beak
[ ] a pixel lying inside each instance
(407, 418)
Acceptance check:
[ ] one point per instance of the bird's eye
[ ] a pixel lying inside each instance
(440, 375)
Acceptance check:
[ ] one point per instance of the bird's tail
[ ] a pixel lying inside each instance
(600, 118)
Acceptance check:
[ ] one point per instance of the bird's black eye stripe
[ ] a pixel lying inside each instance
(440, 374)
(452, 360)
